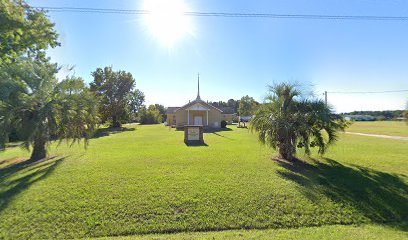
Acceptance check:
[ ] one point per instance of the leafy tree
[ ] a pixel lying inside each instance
(24, 31)
(114, 90)
(286, 122)
(247, 106)
(230, 103)
(162, 110)
(218, 104)
(136, 100)
(40, 109)
(150, 115)
(234, 104)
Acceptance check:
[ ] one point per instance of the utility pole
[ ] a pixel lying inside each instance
(325, 97)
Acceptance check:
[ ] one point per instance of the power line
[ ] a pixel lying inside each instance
(228, 14)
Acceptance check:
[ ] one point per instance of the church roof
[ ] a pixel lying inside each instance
(199, 101)
(224, 110)
(227, 110)
(171, 109)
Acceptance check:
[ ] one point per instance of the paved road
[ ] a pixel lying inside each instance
(379, 136)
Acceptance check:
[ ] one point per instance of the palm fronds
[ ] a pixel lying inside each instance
(286, 122)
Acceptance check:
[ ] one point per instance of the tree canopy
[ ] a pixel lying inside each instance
(34, 107)
(162, 110)
(150, 115)
(24, 31)
(287, 122)
(247, 106)
(230, 103)
(39, 109)
(114, 89)
(136, 100)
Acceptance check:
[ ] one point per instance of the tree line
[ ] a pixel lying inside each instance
(246, 106)
(380, 115)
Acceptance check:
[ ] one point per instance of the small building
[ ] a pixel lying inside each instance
(199, 112)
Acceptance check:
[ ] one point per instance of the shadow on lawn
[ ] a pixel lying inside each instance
(215, 131)
(19, 176)
(196, 144)
(218, 131)
(380, 196)
(104, 132)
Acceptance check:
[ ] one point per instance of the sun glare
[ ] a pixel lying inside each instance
(166, 20)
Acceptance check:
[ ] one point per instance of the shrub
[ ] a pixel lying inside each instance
(223, 124)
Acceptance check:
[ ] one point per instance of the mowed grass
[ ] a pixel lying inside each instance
(394, 128)
(148, 181)
(329, 232)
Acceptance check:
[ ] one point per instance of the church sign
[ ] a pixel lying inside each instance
(193, 134)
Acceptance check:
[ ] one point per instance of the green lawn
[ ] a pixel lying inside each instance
(148, 181)
(396, 128)
(329, 232)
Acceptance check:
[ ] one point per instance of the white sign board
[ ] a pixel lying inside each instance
(193, 134)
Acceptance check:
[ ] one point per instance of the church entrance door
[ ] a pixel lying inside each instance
(198, 120)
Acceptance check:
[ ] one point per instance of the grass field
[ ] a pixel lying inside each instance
(329, 232)
(146, 181)
(395, 128)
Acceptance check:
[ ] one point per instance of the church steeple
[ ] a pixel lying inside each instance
(198, 88)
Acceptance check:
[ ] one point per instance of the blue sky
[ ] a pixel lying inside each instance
(241, 56)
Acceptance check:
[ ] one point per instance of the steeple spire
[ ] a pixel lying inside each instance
(198, 89)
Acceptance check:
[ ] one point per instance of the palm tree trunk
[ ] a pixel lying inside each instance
(285, 152)
(39, 151)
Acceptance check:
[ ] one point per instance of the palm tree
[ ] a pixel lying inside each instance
(287, 122)
(39, 109)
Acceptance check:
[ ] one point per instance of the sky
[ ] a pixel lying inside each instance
(235, 57)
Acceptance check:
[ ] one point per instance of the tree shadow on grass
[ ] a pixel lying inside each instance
(196, 144)
(209, 130)
(17, 177)
(381, 197)
(104, 132)
(217, 131)
(219, 135)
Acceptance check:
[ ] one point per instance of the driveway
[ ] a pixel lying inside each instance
(379, 136)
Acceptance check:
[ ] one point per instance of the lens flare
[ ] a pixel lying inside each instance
(166, 20)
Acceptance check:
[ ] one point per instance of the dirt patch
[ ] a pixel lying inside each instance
(13, 161)
(7, 163)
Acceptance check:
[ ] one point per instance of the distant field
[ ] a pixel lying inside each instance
(147, 181)
(395, 128)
